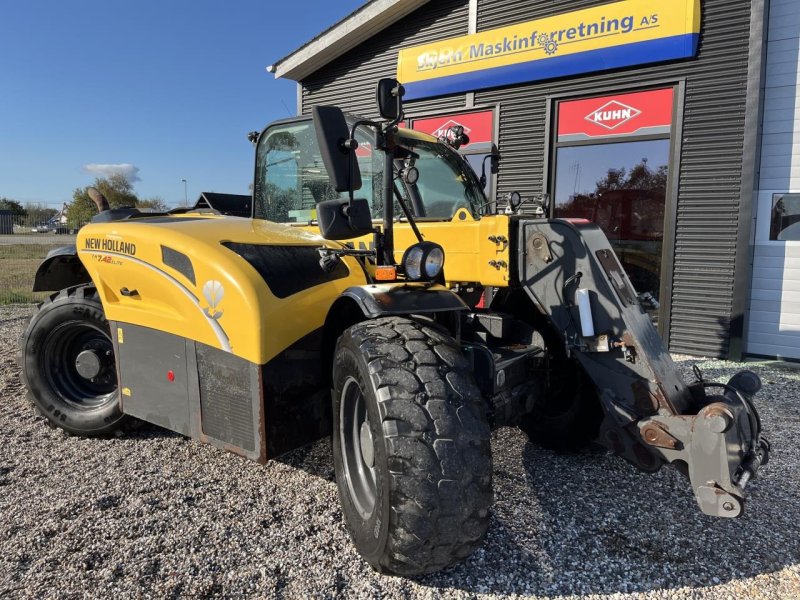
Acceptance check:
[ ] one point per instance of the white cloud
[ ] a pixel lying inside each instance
(127, 170)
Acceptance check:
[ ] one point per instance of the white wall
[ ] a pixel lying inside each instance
(774, 315)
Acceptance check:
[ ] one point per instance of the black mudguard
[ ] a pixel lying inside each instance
(381, 300)
(60, 269)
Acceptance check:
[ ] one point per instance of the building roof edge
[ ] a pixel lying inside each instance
(358, 26)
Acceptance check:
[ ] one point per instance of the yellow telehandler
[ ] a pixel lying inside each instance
(376, 296)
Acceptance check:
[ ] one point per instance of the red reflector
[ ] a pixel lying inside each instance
(171, 375)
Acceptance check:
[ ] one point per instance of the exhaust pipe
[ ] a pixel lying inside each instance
(98, 198)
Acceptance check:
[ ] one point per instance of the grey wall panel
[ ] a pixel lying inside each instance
(349, 81)
(497, 13)
(774, 316)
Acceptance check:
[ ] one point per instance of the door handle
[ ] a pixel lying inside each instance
(129, 293)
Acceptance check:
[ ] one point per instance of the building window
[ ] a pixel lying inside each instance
(621, 187)
(611, 167)
(785, 222)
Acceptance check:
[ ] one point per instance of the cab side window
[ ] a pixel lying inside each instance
(291, 177)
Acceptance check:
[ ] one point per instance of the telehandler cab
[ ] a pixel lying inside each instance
(406, 321)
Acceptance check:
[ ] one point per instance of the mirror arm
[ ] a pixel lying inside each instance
(483, 170)
(363, 122)
(383, 240)
(408, 214)
(391, 125)
(386, 250)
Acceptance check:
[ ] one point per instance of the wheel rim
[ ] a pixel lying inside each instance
(357, 446)
(78, 360)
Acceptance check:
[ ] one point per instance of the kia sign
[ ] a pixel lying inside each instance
(479, 126)
(621, 115)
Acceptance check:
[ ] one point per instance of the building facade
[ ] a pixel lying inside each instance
(671, 125)
(773, 325)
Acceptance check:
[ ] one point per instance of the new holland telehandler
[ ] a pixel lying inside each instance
(377, 296)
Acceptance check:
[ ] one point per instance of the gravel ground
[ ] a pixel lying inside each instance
(156, 515)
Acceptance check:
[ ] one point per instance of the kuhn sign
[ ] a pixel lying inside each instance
(635, 114)
(612, 114)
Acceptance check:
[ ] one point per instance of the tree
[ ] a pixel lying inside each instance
(614, 180)
(36, 214)
(640, 177)
(117, 190)
(154, 204)
(12, 205)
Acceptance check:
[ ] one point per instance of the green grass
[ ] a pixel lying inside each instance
(18, 264)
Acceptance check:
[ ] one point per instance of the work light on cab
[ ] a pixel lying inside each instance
(423, 261)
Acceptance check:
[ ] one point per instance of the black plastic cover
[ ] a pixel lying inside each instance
(342, 219)
(388, 96)
(288, 270)
(381, 300)
(178, 261)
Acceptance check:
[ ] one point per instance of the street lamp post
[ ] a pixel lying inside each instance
(185, 193)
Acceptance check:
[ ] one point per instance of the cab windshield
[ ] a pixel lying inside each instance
(446, 182)
(291, 178)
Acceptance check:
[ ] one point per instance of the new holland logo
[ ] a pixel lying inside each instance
(612, 114)
(444, 130)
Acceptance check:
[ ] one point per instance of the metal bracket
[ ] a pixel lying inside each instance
(538, 245)
(656, 434)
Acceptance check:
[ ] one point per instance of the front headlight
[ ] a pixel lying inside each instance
(423, 261)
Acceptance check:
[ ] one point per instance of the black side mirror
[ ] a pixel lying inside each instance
(389, 98)
(336, 147)
(343, 219)
(494, 165)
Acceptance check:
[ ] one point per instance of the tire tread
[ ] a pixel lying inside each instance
(85, 294)
(437, 442)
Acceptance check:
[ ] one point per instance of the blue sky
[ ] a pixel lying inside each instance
(171, 87)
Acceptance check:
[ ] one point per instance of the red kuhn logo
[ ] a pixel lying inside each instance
(612, 114)
(444, 130)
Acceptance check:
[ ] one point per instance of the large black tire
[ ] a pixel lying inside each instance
(411, 446)
(567, 416)
(568, 419)
(69, 336)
